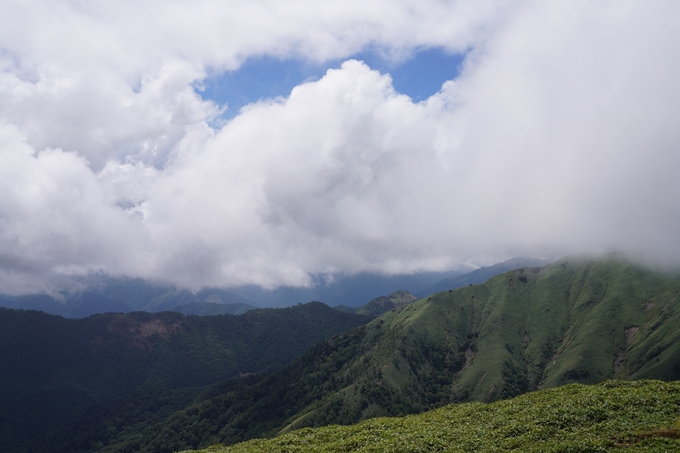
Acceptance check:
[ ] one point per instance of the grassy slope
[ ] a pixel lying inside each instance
(577, 320)
(611, 416)
(564, 323)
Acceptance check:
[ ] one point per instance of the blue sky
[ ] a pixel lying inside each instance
(418, 76)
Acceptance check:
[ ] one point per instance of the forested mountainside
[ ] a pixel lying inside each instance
(581, 319)
(52, 367)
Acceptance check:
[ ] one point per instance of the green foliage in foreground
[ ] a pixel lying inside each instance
(611, 416)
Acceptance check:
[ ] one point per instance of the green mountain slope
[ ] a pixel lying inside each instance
(573, 418)
(52, 366)
(578, 320)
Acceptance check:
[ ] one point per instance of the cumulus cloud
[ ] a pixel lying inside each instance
(557, 137)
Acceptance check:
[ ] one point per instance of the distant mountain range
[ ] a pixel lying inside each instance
(102, 294)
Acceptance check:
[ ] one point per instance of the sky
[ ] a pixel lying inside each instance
(418, 74)
(225, 143)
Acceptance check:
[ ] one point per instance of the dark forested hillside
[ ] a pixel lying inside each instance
(577, 320)
(51, 366)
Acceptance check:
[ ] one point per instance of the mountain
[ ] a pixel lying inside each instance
(579, 320)
(573, 418)
(482, 274)
(53, 367)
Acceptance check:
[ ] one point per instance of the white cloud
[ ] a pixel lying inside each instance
(54, 219)
(103, 117)
(558, 137)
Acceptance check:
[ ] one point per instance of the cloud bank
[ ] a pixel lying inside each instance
(559, 136)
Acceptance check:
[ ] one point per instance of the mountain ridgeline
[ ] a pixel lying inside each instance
(579, 320)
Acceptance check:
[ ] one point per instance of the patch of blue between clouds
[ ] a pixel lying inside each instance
(418, 77)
